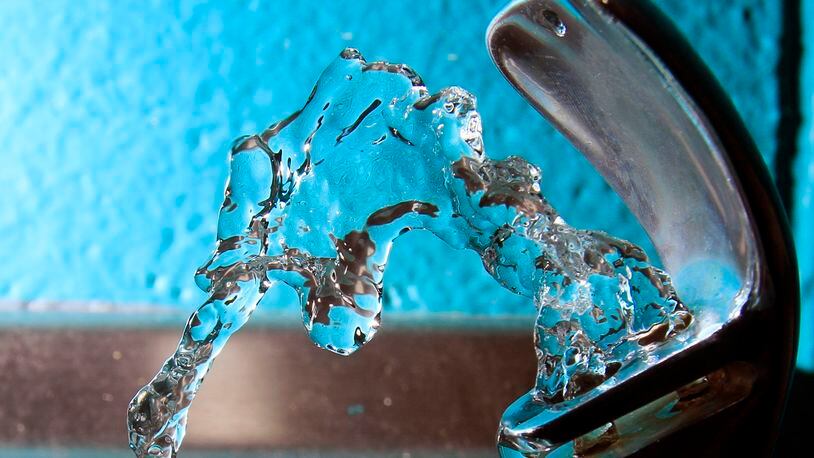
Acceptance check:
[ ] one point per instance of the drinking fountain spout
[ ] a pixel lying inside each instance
(621, 84)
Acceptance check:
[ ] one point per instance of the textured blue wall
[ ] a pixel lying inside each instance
(116, 118)
(803, 209)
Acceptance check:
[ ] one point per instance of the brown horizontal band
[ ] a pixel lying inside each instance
(408, 391)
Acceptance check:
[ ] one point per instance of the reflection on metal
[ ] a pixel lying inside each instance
(660, 418)
(624, 87)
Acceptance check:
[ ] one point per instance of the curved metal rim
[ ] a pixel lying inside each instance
(779, 276)
(765, 335)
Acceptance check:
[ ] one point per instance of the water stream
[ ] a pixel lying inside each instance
(315, 202)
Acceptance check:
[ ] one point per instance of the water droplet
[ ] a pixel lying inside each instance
(554, 23)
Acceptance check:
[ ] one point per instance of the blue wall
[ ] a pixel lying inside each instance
(803, 209)
(116, 118)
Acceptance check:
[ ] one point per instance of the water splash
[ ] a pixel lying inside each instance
(315, 201)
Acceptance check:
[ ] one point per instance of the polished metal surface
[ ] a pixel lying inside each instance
(606, 91)
(617, 80)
